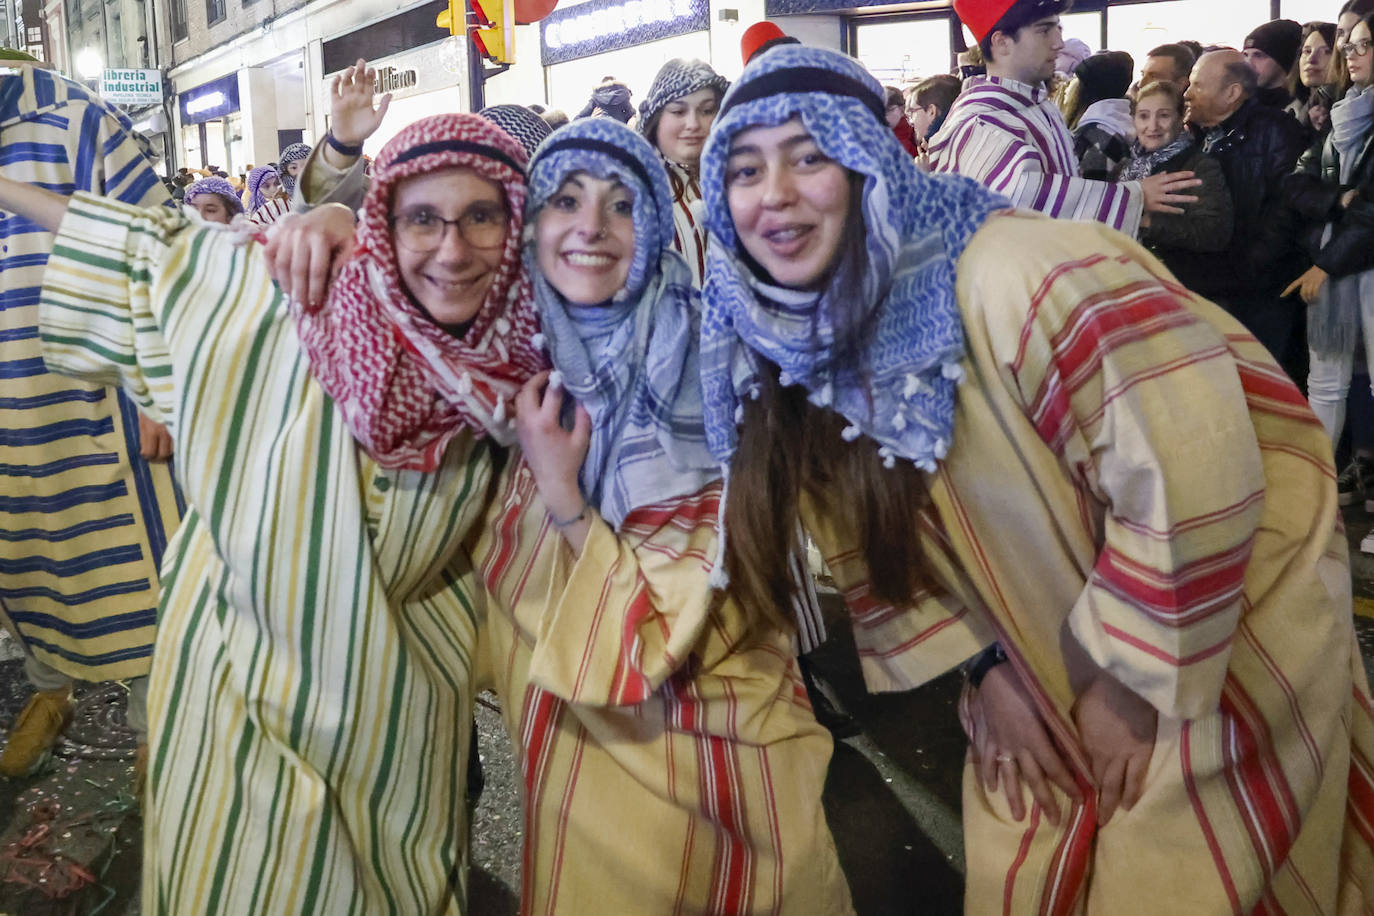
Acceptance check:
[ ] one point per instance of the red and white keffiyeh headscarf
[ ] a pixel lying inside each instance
(406, 385)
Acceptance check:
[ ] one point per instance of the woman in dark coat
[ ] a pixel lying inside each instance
(1186, 242)
(1333, 191)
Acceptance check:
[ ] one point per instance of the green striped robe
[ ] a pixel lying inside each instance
(311, 686)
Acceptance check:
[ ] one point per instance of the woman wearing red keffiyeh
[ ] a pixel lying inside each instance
(312, 683)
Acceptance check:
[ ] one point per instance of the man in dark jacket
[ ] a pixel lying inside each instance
(1271, 50)
(1256, 147)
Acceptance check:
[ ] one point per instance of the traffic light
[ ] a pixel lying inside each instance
(495, 32)
(455, 18)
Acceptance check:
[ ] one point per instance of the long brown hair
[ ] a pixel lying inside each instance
(788, 447)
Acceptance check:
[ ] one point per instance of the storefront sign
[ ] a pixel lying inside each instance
(598, 26)
(210, 101)
(439, 65)
(131, 87)
(389, 79)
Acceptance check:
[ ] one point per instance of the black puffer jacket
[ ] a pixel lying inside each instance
(1315, 190)
(1256, 148)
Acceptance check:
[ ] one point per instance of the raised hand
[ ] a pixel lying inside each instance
(354, 112)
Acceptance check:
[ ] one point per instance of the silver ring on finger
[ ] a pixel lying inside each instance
(1005, 758)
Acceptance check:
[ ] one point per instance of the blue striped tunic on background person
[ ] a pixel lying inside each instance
(83, 519)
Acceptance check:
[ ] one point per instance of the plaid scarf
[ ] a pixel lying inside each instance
(256, 199)
(214, 185)
(631, 363)
(296, 152)
(899, 390)
(405, 385)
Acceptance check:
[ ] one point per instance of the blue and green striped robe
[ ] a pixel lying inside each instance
(311, 692)
(83, 519)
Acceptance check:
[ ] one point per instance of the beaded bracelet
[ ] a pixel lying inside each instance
(563, 523)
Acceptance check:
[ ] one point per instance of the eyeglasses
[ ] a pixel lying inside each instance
(423, 231)
(1357, 48)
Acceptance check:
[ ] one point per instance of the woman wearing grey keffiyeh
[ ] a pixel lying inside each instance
(676, 118)
(646, 712)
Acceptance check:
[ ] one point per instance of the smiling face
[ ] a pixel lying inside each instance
(585, 238)
(451, 281)
(1157, 121)
(212, 208)
(1316, 58)
(789, 202)
(684, 124)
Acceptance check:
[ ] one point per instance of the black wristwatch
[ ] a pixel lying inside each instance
(977, 668)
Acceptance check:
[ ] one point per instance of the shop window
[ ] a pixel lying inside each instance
(178, 8)
(214, 11)
(1086, 27)
(1309, 10)
(902, 52)
(1139, 27)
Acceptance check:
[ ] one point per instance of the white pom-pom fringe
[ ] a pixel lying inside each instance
(826, 394)
(539, 341)
(555, 379)
(850, 433)
(785, 379)
(899, 422)
(739, 414)
(890, 462)
(913, 385)
(953, 371)
(502, 326)
(941, 448)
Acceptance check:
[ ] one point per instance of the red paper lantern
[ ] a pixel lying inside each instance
(527, 11)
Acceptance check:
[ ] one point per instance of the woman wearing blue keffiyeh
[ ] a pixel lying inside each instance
(670, 763)
(1020, 439)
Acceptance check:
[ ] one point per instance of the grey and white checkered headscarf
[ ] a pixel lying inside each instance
(521, 123)
(677, 78)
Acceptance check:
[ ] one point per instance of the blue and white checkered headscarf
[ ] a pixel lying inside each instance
(632, 363)
(902, 394)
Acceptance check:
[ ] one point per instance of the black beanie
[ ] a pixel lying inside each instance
(1281, 39)
(1104, 75)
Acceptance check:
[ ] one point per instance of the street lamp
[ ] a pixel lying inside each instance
(89, 64)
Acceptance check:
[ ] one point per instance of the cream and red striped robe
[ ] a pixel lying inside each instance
(668, 765)
(1132, 468)
(1012, 138)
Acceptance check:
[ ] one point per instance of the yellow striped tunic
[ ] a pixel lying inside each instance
(311, 694)
(83, 519)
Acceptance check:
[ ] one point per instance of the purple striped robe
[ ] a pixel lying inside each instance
(1012, 138)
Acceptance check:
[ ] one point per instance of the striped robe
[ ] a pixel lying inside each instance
(668, 766)
(83, 519)
(1193, 550)
(1012, 138)
(270, 212)
(310, 697)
